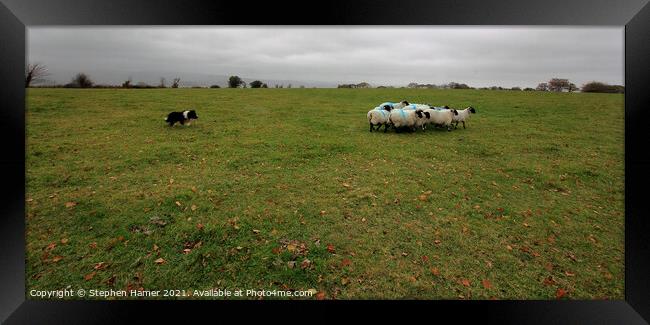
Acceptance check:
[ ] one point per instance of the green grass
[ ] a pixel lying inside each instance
(532, 189)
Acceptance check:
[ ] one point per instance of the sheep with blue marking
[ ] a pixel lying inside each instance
(380, 115)
(406, 118)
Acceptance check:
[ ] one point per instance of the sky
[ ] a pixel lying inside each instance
(325, 56)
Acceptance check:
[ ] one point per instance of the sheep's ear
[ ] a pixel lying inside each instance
(446, 107)
(405, 102)
(455, 112)
(427, 114)
(387, 107)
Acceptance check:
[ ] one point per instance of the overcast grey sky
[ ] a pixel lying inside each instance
(479, 56)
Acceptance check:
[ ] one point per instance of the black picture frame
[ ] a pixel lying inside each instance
(16, 15)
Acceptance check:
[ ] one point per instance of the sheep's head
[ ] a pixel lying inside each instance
(427, 115)
(387, 107)
(447, 107)
(454, 111)
(401, 104)
(472, 110)
(419, 113)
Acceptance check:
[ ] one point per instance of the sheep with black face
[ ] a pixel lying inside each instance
(441, 117)
(463, 116)
(380, 115)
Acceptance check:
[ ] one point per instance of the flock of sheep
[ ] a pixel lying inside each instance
(403, 115)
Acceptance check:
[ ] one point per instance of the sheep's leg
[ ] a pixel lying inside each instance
(386, 127)
(463, 124)
(370, 127)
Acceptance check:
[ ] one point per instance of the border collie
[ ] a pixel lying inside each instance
(181, 117)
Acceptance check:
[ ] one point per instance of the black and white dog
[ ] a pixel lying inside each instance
(181, 117)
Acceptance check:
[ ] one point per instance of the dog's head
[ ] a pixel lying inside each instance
(192, 115)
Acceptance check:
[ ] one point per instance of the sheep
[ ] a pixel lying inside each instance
(441, 117)
(405, 118)
(463, 115)
(378, 117)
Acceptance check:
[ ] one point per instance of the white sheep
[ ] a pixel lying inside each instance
(379, 115)
(440, 117)
(406, 118)
(416, 106)
(463, 115)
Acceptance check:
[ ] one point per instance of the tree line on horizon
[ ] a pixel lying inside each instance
(36, 73)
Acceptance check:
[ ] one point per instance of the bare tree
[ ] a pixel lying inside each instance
(127, 83)
(162, 83)
(81, 80)
(35, 73)
(542, 86)
(557, 84)
(175, 82)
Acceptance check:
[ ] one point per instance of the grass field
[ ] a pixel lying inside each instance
(526, 203)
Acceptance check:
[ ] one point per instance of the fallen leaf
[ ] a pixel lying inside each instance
(100, 266)
(486, 284)
(549, 281)
(345, 281)
(346, 262)
(548, 267)
(330, 248)
(560, 293)
(322, 212)
(160, 261)
(155, 247)
(346, 185)
(425, 258)
(93, 245)
(291, 264)
(199, 226)
(292, 247)
(70, 204)
(435, 271)
(50, 247)
(465, 282)
(526, 225)
(567, 273)
(320, 296)
(194, 207)
(56, 259)
(186, 251)
(178, 203)
(276, 250)
(509, 247)
(422, 197)
(437, 241)
(64, 241)
(255, 231)
(89, 276)
(305, 264)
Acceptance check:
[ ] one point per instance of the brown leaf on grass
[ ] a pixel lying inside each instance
(465, 282)
(199, 226)
(70, 204)
(509, 247)
(567, 273)
(100, 266)
(160, 261)
(435, 271)
(178, 203)
(486, 284)
(155, 247)
(111, 281)
(548, 267)
(276, 250)
(187, 251)
(64, 241)
(320, 295)
(194, 189)
(425, 258)
(194, 207)
(330, 248)
(50, 246)
(345, 281)
(560, 293)
(437, 241)
(346, 262)
(526, 225)
(93, 245)
(549, 281)
(89, 276)
(305, 264)
(423, 197)
(346, 185)
(323, 212)
(56, 258)
(255, 231)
